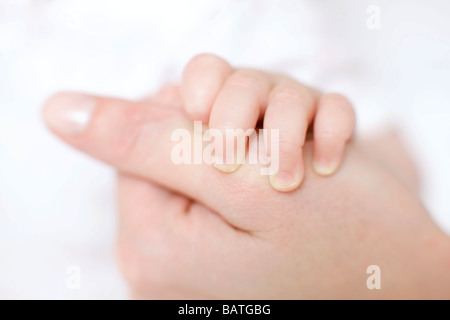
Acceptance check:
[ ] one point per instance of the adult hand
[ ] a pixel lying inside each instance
(190, 231)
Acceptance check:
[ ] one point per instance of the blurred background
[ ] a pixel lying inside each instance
(57, 207)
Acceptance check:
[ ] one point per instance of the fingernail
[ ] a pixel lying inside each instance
(227, 168)
(221, 165)
(285, 181)
(221, 162)
(69, 113)
(324, 167)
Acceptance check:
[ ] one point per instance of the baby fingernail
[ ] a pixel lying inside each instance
(230, 163)
(227, 168)
(284, 181)
(325, 167)
(69, 113)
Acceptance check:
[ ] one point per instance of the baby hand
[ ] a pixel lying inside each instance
(226, 98)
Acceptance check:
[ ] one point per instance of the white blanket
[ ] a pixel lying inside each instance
(57, 206)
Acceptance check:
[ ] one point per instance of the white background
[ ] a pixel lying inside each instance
(57, 207)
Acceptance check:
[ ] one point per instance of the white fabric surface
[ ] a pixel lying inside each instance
(57, 207)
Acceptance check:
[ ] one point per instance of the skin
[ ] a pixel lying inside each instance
(190, 231)
(227, 98)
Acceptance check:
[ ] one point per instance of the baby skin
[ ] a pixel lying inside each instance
(192, 231)
(227, 99)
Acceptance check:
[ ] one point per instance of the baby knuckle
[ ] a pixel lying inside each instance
(329, 136)
(292, 93)
(338, 101)
(246, 79)
(204, 60)
(287, 96)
